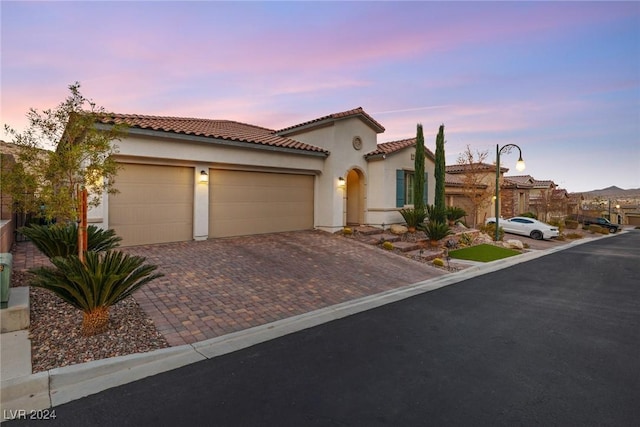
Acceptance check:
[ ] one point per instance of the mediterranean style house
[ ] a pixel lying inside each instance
(185, 178)
(472, 186)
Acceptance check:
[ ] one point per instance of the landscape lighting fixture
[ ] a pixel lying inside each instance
(519, 167)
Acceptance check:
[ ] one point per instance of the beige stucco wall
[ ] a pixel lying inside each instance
(202, 156)
(382, 191)
(330, 203)
(378, 176)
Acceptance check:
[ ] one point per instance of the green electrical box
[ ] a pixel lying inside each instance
(6, 261)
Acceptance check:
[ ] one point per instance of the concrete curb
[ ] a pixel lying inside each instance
(61, 385)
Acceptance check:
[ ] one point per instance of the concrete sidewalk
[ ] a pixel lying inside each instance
(26, 391)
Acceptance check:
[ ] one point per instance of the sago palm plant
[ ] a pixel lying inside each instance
(93, 286)
(62, 239)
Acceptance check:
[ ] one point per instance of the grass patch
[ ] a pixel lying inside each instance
(483, 253)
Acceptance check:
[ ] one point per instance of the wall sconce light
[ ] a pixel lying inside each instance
(204, 177)
(341, 182)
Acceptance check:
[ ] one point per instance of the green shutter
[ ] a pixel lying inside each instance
(399, 188)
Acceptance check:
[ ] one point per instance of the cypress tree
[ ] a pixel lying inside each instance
(439, 202)
(418, 182)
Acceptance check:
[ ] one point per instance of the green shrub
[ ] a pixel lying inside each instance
(436, 230)
(413, 217)
(465, 239)
(62, 239)
(571, 224)
(529, 215)
(454, 213)
(490, 230)
(388, 246)
(435, 215)
(438, 262)
(557, 223)
(104, 279)
(594, 228)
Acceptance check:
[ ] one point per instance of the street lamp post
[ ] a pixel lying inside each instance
(519, 166)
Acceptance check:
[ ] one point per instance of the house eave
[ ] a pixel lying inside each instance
(216, 141)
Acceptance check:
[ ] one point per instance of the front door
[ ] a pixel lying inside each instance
(355, 199)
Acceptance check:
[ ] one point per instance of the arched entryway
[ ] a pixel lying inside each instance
(355, 197)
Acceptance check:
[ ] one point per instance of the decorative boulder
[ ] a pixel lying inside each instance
(398, 229)
(514, 244)
(483, 238)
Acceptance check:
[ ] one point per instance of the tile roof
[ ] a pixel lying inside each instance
(219, 129)
(477, 167)
(391, 147)
(529, 178)
(356, 112)
(516, 183)
(453, 180)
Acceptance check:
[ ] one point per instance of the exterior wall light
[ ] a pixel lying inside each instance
(204, 177)
(341, 182)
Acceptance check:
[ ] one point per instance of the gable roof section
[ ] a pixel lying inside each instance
(451, 180)
(387, 148)
(330, 119)
(528, 179)
(239, 134)
(475, 167)
(516, 183)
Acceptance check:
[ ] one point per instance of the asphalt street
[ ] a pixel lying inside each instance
(553, 341)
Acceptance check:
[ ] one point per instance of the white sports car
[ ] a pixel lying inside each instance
(526, 227)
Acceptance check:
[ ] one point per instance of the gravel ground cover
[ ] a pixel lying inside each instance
(55, 331)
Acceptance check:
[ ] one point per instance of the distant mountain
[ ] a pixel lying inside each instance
(613, 191)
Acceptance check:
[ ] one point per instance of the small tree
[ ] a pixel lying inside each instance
(60, 184)
(440, 170)
(474, 186)
(418, 182)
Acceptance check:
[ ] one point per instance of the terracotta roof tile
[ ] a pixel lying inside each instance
(391, 147)
(336, 116)
(527, 178)
(218, 129)
(479, 167)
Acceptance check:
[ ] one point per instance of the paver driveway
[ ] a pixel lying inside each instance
(216, 287)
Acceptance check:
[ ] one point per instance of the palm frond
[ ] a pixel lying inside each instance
(104, 279)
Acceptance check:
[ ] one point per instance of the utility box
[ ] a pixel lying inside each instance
(6, 262)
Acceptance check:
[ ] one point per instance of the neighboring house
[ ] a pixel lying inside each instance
(515, 196)
(185, 178)
(546, 200)
(459, 194)
(466, 182)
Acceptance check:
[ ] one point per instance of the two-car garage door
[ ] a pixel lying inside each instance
(244, 202)
(155, 204)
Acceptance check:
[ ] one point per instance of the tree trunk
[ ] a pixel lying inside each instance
(95, 321)
(82, 224)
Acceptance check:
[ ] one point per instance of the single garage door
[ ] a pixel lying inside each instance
(154, 204)
(243, 203)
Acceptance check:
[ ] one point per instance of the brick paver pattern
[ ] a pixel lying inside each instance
(218, 286)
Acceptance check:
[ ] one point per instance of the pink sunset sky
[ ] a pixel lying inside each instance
(559, 79)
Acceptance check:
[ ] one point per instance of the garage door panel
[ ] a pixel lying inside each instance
(154, 204)
(244, 203)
